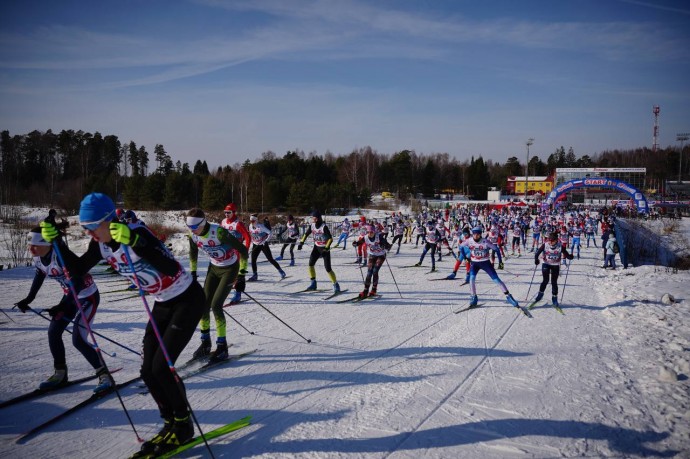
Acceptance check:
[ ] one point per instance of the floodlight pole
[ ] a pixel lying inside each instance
(529, 142)
(682, 138)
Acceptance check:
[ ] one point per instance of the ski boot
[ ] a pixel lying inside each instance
(511, 300)
(312, 286)
(254, 278)
(282, 274)
(554, 301)
(181, 432)
(203, 350)
(105, 381)
(148, 447)
(221, 352)
(336, 287)
(292, 262)
(451, 276)
(358, 260)
(418, 264)
(279, 258)
(56, 380)
(474, 301)
(364, 293)
(373, 291)
(235, 297)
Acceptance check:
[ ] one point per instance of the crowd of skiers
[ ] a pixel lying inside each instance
(473, 235)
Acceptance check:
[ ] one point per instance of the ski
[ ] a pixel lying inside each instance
(433, 270)
(39, 392)
(467, 308)
(74, 408)
(524, 311)
(219, 432)
(209, 365)
(367, 298)
(532, 305)
(441, 279)
(233, 303)
(306, 290)
(558, 308)
(333, 295)
(412, 266)
(357, 299)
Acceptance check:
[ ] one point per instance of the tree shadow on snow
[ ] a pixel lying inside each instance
(624, 441)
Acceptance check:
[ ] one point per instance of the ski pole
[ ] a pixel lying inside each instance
(159, 338)
(530, 282)
(73, 290)
(269, 311)
(565, 280)
(237, 322)
(393, 277)
(3, 311)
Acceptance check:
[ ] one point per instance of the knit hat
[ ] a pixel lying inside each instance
(96, 208)
(34, 238)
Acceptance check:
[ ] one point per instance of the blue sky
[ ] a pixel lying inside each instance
(225, 81)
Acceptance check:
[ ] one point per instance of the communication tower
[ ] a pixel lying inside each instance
(655, 140)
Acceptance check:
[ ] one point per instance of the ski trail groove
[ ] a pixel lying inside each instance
(454, 391)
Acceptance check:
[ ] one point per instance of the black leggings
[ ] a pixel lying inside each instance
(551, 271)
(256, 250)
(292, 249)
(176, 320)
(319, 252)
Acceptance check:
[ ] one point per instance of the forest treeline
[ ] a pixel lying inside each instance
(57, 170)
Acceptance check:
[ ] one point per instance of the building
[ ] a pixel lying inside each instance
(515, 185)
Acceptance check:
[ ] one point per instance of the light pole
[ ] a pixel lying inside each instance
(529, 142)
(682, 138)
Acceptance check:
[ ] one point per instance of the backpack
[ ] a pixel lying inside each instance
(616, 249)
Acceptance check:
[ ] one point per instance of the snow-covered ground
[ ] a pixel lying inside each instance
(400, 376)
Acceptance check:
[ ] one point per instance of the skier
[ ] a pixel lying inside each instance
(361, 249)
(433, 237)
(47, 265)
(322, 245)
(345, 227)
(463, 254)
(290, 240)
(179, 304)
(479, 250)
(235, 226)
(228, 258)
(553, 251)
(398, 233)
(377, 247)
(260, 234)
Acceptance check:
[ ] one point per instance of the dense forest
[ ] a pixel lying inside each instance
(57, 170)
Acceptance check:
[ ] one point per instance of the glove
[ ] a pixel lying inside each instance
(243, 266)
(48, 231)
(121, 233)
(536, 262)
(194, 276)
(570, 257)
(23, 305)
(326, 249)
(500, 265)
(299, 246)
(55, 310)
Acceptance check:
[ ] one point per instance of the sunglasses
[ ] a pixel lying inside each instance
(93, 226)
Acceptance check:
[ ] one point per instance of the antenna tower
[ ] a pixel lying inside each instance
(655, 139)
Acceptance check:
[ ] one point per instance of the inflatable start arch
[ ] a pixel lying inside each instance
(602, 182)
